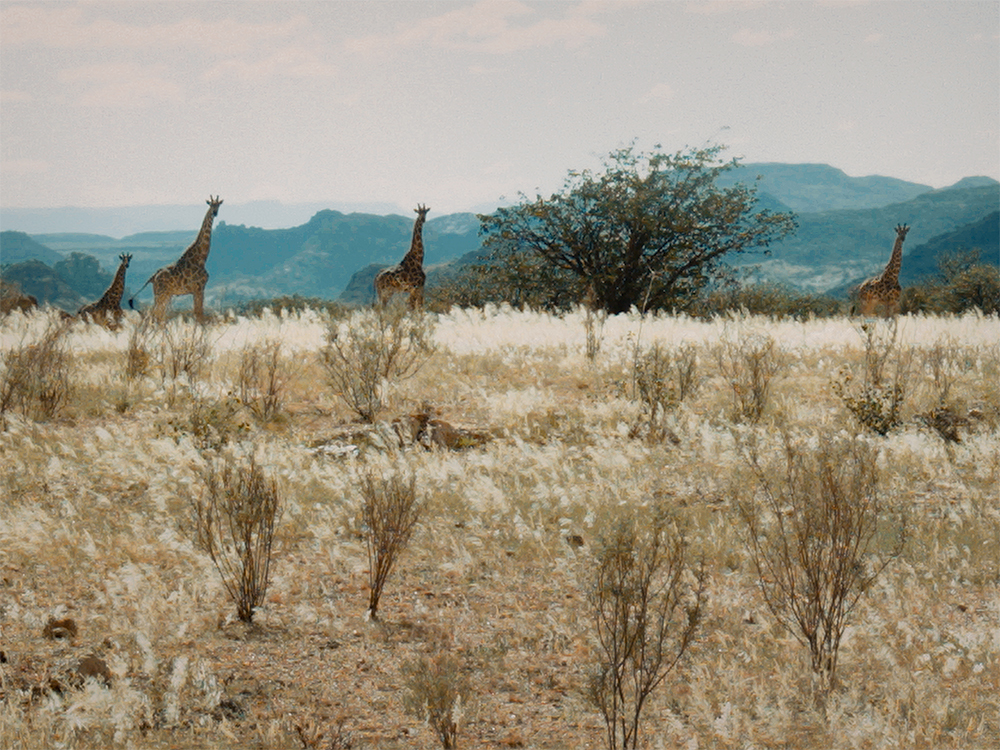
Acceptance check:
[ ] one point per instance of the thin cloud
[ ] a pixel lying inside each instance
(661, 92)
(121, 85)
(494, 26)
(720, 7)
(14, 96)
(58, 26)
(24, 167)
(287, 63)
(761, 38)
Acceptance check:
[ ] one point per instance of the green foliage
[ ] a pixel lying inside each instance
(924, 262)
(875, 397)
(214, 423)
(650, 231)
(83, 273)
(962, 283)
(291, 303)
(43, 283)
(765, 298)
(520, 280)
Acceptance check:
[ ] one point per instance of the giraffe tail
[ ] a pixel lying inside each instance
(131, 300)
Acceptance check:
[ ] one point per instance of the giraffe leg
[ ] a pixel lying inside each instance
(199, 300)
(416, 298)
(160, 304)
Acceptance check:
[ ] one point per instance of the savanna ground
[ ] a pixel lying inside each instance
(96, 526)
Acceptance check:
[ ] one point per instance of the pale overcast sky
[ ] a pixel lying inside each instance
(455, 104)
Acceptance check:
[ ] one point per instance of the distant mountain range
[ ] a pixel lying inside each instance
(845, 232)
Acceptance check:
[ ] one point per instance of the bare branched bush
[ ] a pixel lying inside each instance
(946, 414)
(646, 601)
(749, 366)
(35, 379)
(184, 350)
(390, 512)
(437, 692)
(876, 397)
(136, 361)
(262, 379)
(235, 519)
(662, 380)
(813, 528)
(373, 349)
(138, 352)
(318, 736)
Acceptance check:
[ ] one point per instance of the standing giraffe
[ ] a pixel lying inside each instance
(409, 274)
(884, 290)
(107, 311)
(188, 274)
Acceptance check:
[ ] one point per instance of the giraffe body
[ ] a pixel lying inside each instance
(188, 274)
(12, 298)
(408, 275)
(107, 311)
(881, 293)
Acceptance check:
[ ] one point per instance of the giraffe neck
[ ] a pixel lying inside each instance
(117, 289)
(891, 272)
(197, 254)
(415, 257)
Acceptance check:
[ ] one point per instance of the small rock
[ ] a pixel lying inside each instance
(59, 630)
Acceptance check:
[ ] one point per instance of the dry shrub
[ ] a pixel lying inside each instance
(646, 601)
(946, 415)
(261, 380)
(184, 350)
(661, 382)
(437, 692)
(390, 512)
(314, 736)
(214, 423)
(812, 531)
(138, 352)
(136, 362)
(749, 366)
(35, 380)
(375, 348)
(235, 520)
(876, 398)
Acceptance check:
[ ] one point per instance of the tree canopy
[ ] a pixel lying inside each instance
(649, 231)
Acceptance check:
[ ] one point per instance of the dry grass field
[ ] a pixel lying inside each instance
(100, 467)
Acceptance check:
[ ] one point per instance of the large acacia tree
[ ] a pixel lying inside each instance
(649, 231)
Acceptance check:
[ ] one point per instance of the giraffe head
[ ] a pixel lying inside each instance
(125, 258)
(421, 211)
(214, 204)
(901, 230)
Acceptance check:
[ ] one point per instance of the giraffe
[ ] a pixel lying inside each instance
(12, 298)
(188, 274)
(409, 274)
(884, 290)
(107, 311)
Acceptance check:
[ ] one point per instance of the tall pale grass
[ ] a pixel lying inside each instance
(92, 524)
